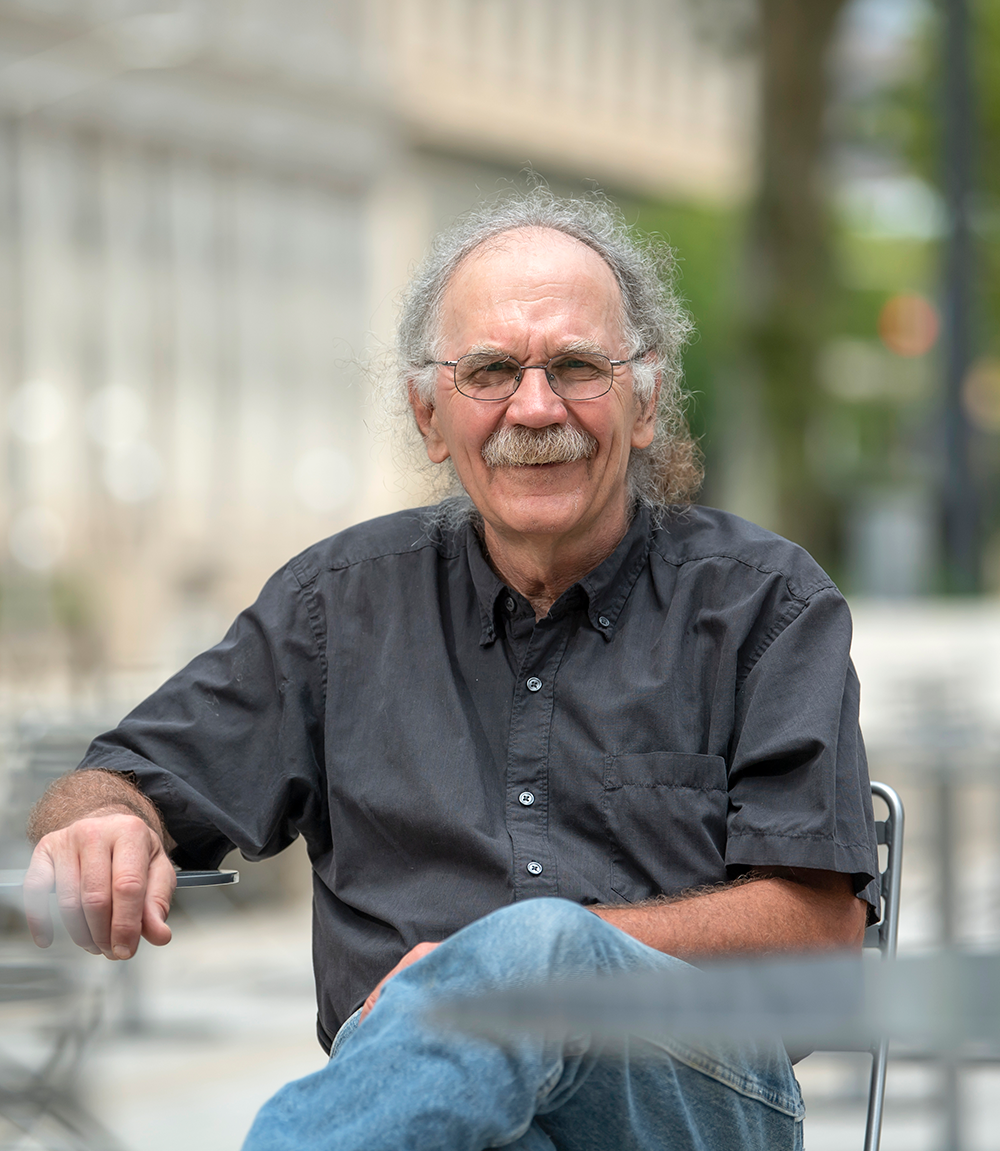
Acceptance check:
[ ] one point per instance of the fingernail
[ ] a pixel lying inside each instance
(122, 952)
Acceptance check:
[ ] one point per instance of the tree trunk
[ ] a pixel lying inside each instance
(789, 274)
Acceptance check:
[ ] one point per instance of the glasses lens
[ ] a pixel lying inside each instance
(486, 377)
(580, 376)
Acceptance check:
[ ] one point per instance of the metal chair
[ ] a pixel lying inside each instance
(883, 935)
(40, 1103)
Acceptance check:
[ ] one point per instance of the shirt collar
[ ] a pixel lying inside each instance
(487, 583)
(606, 588)
(609, 584)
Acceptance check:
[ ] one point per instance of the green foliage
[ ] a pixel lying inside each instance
(708, 242)
(986, 40)
(906, 119)
(873, 419)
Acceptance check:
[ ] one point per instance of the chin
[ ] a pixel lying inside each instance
(539, 514)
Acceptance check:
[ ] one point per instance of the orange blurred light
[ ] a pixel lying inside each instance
(981, 394)
(909, 325)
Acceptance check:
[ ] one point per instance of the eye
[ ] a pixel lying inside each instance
(580, 375)
(488, 376)
(581, 366)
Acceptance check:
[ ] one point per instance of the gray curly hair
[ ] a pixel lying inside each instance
(655, 323)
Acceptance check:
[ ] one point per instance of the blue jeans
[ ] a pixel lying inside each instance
(396, 1083)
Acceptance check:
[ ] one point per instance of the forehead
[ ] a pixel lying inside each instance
(532, 282)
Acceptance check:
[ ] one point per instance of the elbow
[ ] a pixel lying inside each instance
(852, 922)
(832, 917)
(840, 923)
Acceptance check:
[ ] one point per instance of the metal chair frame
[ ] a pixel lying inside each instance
(883, 935)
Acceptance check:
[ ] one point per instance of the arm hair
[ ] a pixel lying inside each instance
(93, 791)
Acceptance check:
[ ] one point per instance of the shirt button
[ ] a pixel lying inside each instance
(534, 868)
(603, 621)
(509, 604)
(526, 798)
(534, 684)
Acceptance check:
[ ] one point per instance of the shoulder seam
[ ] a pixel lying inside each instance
(307, 590)
(779, 625)
(297, 565)
(412, 550)
(803, 597)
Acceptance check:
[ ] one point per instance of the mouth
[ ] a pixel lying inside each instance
(520, 447)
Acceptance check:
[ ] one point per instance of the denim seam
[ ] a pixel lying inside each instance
(715, 1069)
(344, 1032)
(551, 1081)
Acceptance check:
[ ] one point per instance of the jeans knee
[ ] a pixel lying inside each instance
(544, 927)
(533, 940)
(544, 917)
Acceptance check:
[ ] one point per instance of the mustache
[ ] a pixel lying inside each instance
(515, 446)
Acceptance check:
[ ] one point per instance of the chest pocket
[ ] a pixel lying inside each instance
(665, 814)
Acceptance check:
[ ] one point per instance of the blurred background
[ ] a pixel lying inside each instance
(207, 211)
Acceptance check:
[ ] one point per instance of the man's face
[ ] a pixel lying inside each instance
(532, 294)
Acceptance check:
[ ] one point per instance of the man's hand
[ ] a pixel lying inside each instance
(411, 956)
(112, 879)
(101, 846)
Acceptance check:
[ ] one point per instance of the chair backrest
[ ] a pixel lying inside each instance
(883, 935)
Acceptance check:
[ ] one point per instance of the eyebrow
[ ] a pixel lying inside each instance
(582, 346)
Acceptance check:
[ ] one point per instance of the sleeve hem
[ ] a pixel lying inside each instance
(120, 759)
(791, 850)
(207, 852)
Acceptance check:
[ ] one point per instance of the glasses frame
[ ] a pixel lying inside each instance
(522, 368)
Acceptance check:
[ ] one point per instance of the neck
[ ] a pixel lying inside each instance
(542, 567)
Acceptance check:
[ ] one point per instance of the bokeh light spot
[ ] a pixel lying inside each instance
(909, 325)
(981, 394)
(133, 472)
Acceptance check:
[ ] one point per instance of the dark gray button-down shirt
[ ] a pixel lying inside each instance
(685, 712)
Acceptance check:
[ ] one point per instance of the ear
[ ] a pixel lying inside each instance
(427, 422)
(644, 427)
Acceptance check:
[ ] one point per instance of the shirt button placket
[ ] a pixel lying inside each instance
(536, 871)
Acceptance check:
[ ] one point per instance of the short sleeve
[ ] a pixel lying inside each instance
(230, 748)
(798, 783)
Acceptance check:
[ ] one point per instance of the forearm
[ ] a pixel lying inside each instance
(764, 915)
(82, 794)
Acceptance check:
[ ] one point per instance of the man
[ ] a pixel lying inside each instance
(572, 685)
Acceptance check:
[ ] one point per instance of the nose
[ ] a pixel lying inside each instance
(535, 404)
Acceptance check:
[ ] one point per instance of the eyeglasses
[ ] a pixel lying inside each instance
(491, 377)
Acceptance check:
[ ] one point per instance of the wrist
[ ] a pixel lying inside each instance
(124, 807)
(88, 793)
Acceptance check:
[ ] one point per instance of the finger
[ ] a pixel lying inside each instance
(372, 999)
(129, 879)
(160, 887)
(39, 883)
(95, 847)
(68, 899)
(408, 959)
